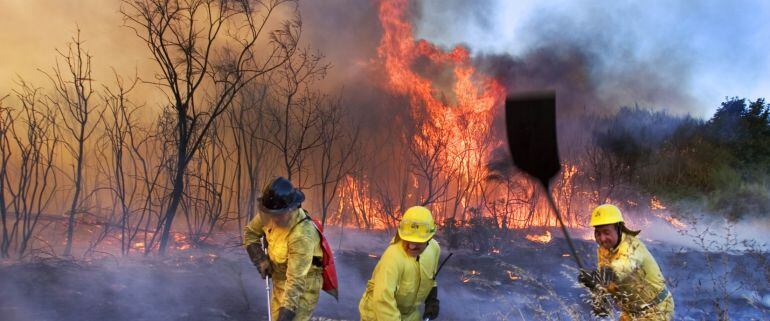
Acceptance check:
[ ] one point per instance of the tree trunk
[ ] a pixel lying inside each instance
(76, 198)
(176, 195)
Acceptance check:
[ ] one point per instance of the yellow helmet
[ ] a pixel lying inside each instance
(417, 225)
(606, 214)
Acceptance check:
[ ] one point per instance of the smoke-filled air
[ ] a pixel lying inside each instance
(384, 160)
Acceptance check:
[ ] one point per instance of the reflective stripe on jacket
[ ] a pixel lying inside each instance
(399, 284)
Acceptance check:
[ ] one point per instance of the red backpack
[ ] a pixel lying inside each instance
(330, 284)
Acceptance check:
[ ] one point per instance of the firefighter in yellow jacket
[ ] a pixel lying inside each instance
(294, 254)
(627, 271)
(404, 278)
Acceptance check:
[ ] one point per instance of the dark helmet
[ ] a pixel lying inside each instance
(280, 196)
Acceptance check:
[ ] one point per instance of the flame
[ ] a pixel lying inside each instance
(454, 117)
(468, 275)
(495, 251)
(458, 117)
(181, 242)
(565, 255)
(544, 239)
(356, 198)
(655, 204)
(671, 220)
(512, 276)
(452, 106)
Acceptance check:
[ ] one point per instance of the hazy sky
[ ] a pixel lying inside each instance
(710, 49)
(32, 30)
(713, 48)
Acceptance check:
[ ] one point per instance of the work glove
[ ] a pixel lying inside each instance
(431, 305)
(589, 278)
(259, 259)
(285, 314)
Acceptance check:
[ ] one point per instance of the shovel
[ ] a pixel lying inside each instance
(531, 123)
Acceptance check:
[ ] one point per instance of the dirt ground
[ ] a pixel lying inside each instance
(524, 281)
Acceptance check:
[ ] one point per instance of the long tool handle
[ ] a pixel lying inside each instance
(267, 285)
(269, 308)
(563, 228)
(442, 265)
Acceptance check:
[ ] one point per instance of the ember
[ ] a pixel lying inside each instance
(181, 242)
(543, 239)
(655, 204)
(673, 221)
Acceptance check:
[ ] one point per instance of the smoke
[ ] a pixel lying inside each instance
(221, 284)
(348, 33)
(194, 287)
(594, 65)
(594, 60)
(32, 31)
(684, 56)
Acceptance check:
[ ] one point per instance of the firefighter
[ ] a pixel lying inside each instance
(404, 278)
(293, 251)
(627, 272)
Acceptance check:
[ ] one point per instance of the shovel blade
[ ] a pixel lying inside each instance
(531, 124)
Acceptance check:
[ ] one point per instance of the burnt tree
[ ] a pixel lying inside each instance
(206, 51)
(73, 87)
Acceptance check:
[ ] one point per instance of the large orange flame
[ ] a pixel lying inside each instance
(452, 105)
(460, 115)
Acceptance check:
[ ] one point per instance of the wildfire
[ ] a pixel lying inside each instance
(458, 117)
(655, 204)
(355, 197)
(671, 220)
(452, 106)
(543, 239)
(181, 241)
(468, 275)
(512, 276)
(495, 251)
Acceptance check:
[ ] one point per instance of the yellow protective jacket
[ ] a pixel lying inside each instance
(296, 281)
(399, 284)
(638, 281)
